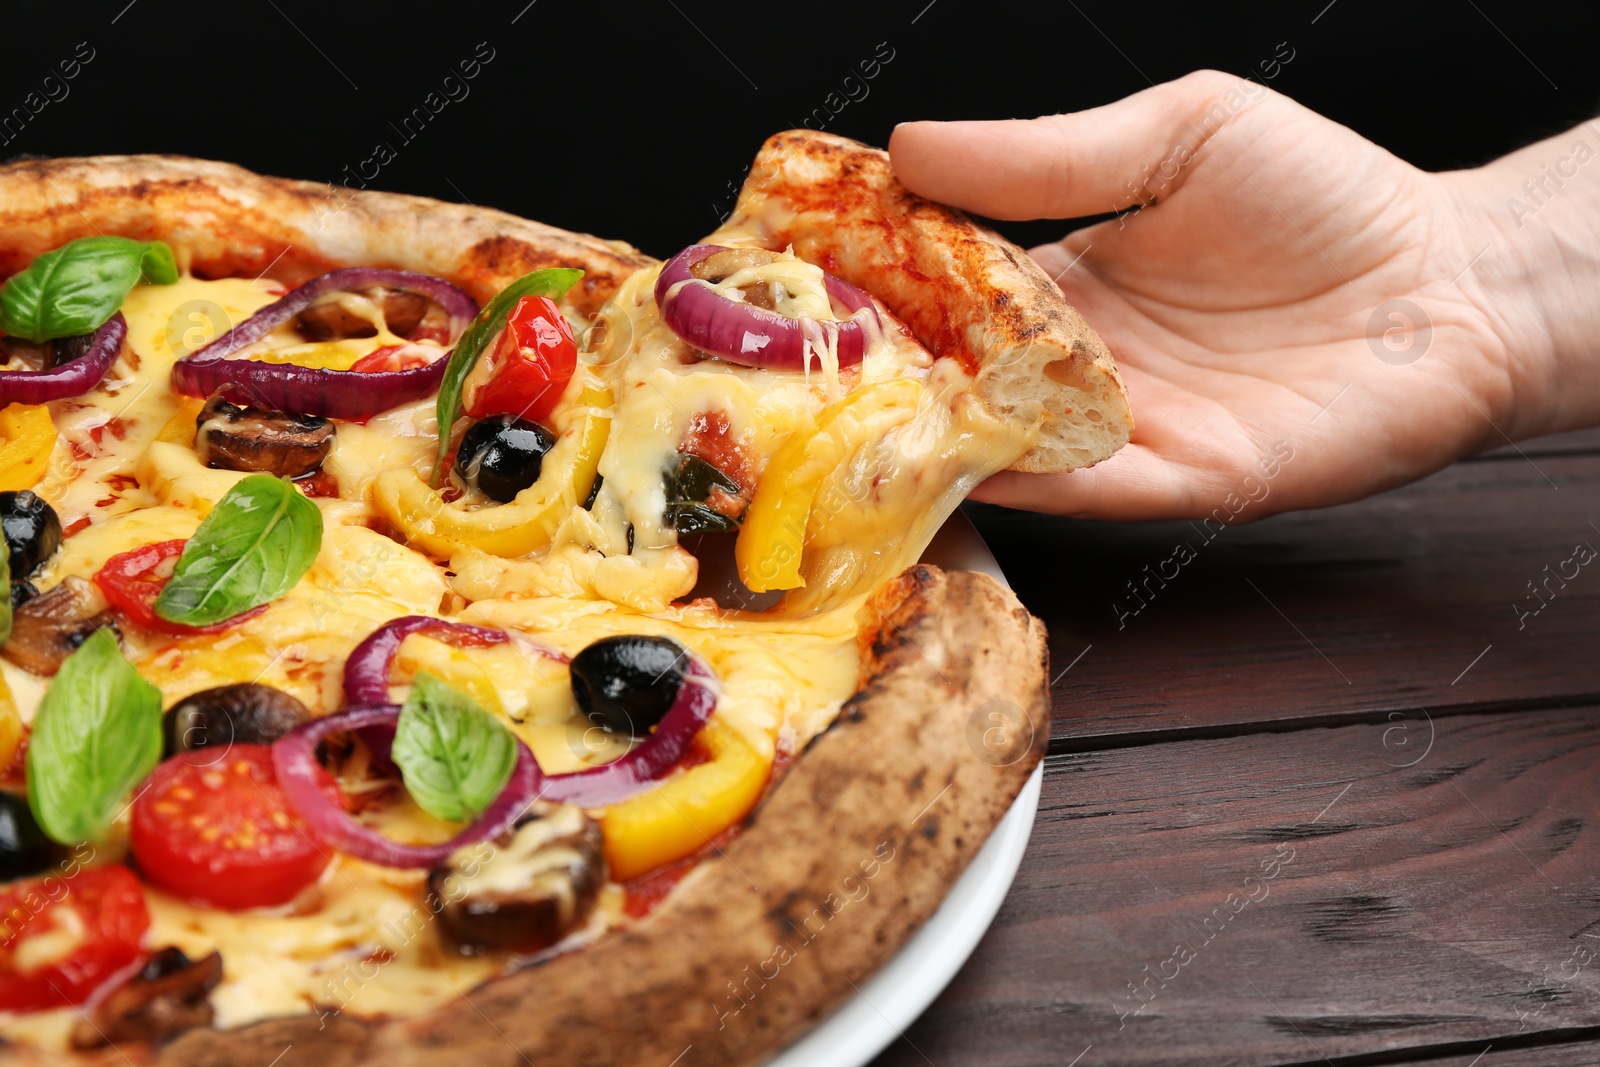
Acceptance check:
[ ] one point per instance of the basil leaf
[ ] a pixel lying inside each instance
(5, 591)
(688, 486)
(96, 735)
(258, 541)
(552, 282)
(156, 266)
(690, 518)
(74, 289)
(455, 756)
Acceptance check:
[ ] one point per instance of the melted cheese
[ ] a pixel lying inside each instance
(661, 384)
(125, 475)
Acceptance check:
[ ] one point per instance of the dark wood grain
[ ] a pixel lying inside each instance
(1575, 442)
(1390, 603)
(1583, 1051)
(1436, 884)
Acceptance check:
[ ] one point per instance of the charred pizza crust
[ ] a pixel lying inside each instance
(224, 221)
(845, 858)
(857, 845)
(965, 291)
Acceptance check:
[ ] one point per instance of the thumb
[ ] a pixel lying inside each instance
(1090, 162)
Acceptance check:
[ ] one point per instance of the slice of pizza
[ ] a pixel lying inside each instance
(431, 631)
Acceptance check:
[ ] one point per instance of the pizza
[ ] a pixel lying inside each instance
(433, 632)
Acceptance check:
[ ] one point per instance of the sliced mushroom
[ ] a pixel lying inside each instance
(247, 713)
(525, 890)
(334, 318)
(51, 626)
(233, 438)
(170, 995)
(720, 265)
(39, 356)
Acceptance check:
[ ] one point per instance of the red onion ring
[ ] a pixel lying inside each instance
(75, 377)
(638, 769)
(366, 682)
(366, 671)
(340, 394)
(294, 757)
(752, 336)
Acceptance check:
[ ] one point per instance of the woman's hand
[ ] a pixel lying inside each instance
(1287, 288)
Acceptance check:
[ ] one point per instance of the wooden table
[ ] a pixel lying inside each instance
(1325, 798)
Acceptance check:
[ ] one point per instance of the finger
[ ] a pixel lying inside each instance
(1066, 166)
(1134, 484)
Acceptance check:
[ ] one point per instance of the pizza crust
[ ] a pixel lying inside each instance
(844, 859)
(224, 221)
(841, 863)
(964, 290)
(899, 786)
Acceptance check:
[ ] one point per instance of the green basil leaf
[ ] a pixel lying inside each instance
(698, 518)
(5, 591)
(258, 541)
(156, 266)
(688, 486)
(552, 282)
(74, 289)
(96, 735)
(455, 756)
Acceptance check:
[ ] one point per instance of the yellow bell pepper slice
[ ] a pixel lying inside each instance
(27, 436)
(10, 726)
(329, 355)
(772, 538)
(681, 815)
(180, 428)
(524, 525)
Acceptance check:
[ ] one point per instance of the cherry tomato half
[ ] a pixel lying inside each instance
(214, 829)
(392, 358)
(132, 580)
(64, 936)
(528, 368)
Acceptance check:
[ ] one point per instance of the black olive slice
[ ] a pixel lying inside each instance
(32, 530)
(22, 592)
(502, 455)
(248, 713)
(625, 684)
(24, 850)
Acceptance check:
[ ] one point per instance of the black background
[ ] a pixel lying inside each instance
(637, 120)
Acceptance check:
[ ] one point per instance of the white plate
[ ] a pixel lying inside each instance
(884, 1007)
